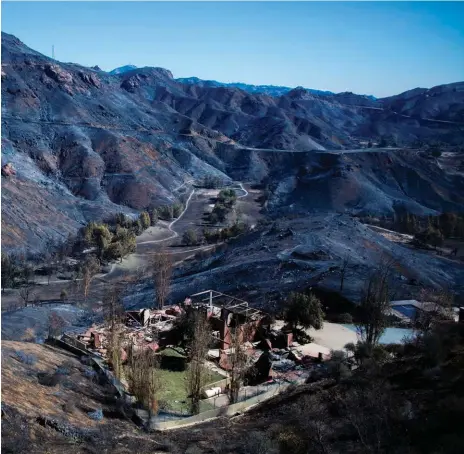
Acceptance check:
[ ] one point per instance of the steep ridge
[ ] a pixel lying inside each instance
(85, 143)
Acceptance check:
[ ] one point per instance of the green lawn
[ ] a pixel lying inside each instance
(173, 391)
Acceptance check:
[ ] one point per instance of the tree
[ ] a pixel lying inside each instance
(177, 210)
(154, 217)
(198, 349)
(190, 238)
(113, 311)
(112, 306)
(374, 306)
(343, 269)
(114, 251)
(115, 350)
(162, 272)
(439, 307)
(63, 295)
(56, 325)
(304, 310)
(121, 220)
(448, 223)
(227, 197)
(238, 359)
(137, 227)
(383, 142)
(145, 220)
(26, 292)
(219, 212)
(430, 236)
(89, 268)
(8, 271)
(143, 377)
(166, 212)
(127, 241)
(99, 236)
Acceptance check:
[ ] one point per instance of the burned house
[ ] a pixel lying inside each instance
(230, 316)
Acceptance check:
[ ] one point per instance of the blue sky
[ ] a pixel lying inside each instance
(379, 48)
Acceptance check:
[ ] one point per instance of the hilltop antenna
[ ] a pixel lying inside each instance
(53, 51)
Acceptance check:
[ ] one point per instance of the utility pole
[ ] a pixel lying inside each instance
(53, 51)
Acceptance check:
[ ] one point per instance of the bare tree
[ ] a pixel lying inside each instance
(375, 302)
(26, 293)
(162, 272)
(438, 305)
(143, 377)
(196, 374)
(238, 358)
(56, 325)
(343, 270)
(115, 350)
(112, 306)
(113, 311)
(90, 267)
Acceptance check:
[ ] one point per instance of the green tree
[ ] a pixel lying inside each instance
(137, 227)
(145, 220)
(220, 212)
(127, 241)
(114, 251)
(8, 272)
(99, 236)
(190, 238)
(154, 217)
(177, 210)
(304, 310)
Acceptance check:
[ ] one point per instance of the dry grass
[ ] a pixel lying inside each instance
(22, 390)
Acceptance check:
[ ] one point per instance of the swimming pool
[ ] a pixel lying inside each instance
(391, 335)
(408, 310)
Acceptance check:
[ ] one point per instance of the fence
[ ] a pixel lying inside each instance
(74, 342)
(162, 422)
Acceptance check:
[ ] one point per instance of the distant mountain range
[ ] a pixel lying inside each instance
(271, 90)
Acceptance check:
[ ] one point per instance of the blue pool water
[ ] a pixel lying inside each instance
(391, 335)
(406, 309)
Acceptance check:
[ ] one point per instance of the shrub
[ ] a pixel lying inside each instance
(62, 370)
(190, 238)
(50, 380)
(96, 415)
(63, 295)
(69, 407)
(24, 358)
(29, 335)
(90, 373)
